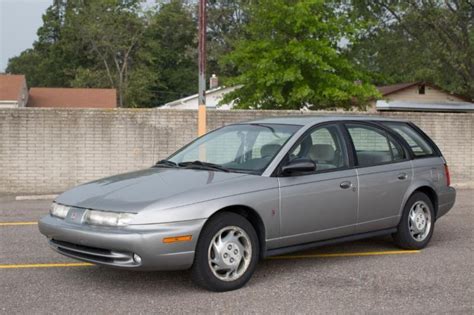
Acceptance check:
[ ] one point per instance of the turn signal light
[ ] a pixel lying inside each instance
(175, 239)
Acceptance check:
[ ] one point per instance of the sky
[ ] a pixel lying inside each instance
(19, 21)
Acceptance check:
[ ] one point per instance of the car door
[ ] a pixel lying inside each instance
(321, 204)
(384, 174)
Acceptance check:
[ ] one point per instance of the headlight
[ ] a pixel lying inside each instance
(59, 211)
(107, 218)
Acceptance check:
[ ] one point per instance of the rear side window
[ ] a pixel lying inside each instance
(373, 146)
(419, 146)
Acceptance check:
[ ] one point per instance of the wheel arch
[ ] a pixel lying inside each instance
(253, 217)
(428, 190)
(431, 193)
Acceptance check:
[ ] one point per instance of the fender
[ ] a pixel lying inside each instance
(264, 202)
(415, 185)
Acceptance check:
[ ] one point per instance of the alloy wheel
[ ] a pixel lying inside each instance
(419, 221)
(230, 253)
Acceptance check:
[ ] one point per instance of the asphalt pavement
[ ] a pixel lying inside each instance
(370, 276)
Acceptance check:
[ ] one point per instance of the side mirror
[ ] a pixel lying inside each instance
(299, 166)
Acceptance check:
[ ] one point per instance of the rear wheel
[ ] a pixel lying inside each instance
(417, 223)
(226, 253)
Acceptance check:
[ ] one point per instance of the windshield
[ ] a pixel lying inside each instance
(245, 147)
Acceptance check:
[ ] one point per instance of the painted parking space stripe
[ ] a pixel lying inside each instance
(355, 254)
(18, 223)
(52, 265)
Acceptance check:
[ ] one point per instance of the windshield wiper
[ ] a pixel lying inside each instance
(204, 165)
(268, 127)
(165, 163)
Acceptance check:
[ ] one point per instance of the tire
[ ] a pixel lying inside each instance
(238, 249)
(410, 234)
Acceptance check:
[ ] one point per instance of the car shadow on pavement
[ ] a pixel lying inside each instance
(174, 281)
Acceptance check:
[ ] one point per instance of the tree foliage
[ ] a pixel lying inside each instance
(111, 31)
(172, 40)
(55, 55)
(226, 21)
(87, 44)
(292, 59)
(284, 54)
(412, 40)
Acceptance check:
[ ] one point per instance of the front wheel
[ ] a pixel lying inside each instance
(417, 223)
(226, 253)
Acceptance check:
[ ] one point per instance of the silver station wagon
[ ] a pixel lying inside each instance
(251, 190)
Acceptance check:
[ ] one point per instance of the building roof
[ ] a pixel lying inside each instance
(10, 86)
(221, 90)
(386, 90)
(425, 107)
(389, 89)
(313, 119)
(72, 98)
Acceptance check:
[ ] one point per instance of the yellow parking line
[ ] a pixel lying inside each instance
(17, 223)
(391, 252)
(17, 266)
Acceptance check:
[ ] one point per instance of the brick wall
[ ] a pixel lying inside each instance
(51, 150)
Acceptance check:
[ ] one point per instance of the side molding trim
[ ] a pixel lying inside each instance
(300, 247)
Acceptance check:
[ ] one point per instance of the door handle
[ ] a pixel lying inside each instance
(345, 185)
(402, 176)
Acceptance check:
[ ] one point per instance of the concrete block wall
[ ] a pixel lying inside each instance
(51, 150)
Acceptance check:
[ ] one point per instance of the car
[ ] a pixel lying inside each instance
(251, 190)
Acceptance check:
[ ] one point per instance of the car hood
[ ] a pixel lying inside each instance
(167, 187)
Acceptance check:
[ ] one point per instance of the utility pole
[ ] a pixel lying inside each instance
(202, 69)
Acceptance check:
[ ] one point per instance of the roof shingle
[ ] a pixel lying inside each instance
(72, 98)
(11, 86)
(389, 89)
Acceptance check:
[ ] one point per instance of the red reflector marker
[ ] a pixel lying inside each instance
(446, 173)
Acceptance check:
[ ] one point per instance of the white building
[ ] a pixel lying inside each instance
(213, 97)
(414, 96)
(419, 96)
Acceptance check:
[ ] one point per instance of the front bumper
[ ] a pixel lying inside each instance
(113, 246)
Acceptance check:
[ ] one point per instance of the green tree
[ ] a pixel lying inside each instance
(226, 21)
(56, 52)
(29, 62)
(292, 59)
(111, 30)
(171, 39)
(411, 40)
(91, 44)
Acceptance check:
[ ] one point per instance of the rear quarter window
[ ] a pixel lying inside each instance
(417, 142)
(373, 146)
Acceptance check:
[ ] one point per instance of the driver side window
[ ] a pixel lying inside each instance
(324, 146)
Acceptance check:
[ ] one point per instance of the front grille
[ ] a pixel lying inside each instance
(94, 254)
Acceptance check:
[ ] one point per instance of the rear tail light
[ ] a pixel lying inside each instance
(446, 173)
